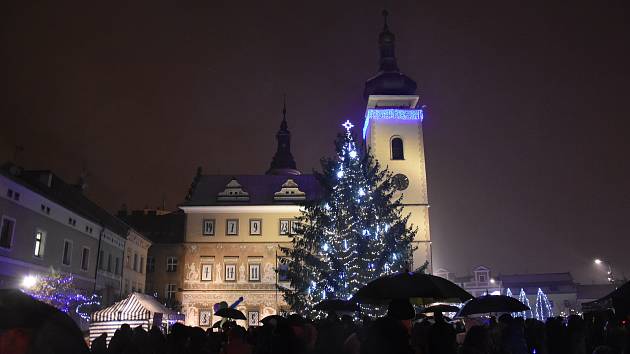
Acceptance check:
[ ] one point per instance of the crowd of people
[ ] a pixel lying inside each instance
(399, 332)
(28, 326)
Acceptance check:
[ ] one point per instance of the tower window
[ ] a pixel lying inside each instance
(397, 149)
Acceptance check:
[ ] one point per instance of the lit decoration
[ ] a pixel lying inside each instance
(543, 306)
(390, 114)
(355, 233)
(522, 297)
(59, 291)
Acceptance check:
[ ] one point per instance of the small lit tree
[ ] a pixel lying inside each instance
(59, 291)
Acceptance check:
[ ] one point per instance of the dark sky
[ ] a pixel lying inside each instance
(526, 128)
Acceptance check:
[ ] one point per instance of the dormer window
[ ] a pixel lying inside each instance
(397, 149)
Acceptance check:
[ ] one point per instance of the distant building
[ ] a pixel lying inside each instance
(163, 267)
(479, 283)
(46, 222)
(134, 272)
(560, 288)
(563, 293)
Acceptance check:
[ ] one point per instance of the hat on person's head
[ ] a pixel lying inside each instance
(401, 309)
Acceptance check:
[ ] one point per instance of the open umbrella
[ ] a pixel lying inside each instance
(440, 308)
(336, 305)
(230, 313)
(420, 288)
(491, 303)
(277, 318)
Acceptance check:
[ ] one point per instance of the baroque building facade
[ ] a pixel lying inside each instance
(236, 223)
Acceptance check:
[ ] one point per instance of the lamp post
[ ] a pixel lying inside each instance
(609, 272)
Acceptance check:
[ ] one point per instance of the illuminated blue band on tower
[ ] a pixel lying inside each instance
(390, 113)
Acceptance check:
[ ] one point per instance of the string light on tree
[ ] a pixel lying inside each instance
(60, 292)
(522, 297)
(355, 233)
(544, 309)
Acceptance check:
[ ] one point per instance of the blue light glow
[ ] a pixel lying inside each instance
(390, 113)
(353, 153)
(340, 174)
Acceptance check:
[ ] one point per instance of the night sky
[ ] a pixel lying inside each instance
(526, 129)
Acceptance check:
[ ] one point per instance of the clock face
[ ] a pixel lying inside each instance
(401, 182)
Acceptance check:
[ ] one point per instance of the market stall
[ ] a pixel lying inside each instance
(136, 310)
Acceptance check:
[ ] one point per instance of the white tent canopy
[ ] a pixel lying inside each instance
(136, 310)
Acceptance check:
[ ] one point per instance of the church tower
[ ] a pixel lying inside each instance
(283, 162)
(393, 131)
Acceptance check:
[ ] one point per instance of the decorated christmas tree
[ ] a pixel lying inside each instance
(522, 297)
(59, 291)
(353, 234)
(543, 306)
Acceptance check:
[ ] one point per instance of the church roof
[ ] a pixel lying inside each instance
(253, 190)
(389, 80)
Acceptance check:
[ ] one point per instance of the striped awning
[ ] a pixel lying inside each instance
(134, 308)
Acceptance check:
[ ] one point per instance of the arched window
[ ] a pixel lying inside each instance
(397, 149)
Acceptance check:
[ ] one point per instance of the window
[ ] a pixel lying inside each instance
(39, 243)
(67, 252)
(126, 286)
(16, 196)
(255, 226)
(254, 272)
(205, 318)
(284, 227)
(230, 272)
(10, 193)
(231, 227)
(72, 221)
(206, 272)
(141, 267)
(85, 258)
(6, 232)
(282, 272)
(150, 264)
(117, 267)
(208, 227)
(252, 318)
(109, 262)
(295, 227)
(171, 264)
(397, 149)
(170, 291)
(135, 262)
(101, 259)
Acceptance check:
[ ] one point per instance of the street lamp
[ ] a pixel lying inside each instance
(609, 272)
(29, 281)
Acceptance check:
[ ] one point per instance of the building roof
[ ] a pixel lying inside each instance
(71, 197)
(255, 189)
(388, 80)
(593, 291)
(537, 279)
(159, 228)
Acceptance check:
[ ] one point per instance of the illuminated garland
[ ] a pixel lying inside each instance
(59, 291)
(522, 297)
(543, 306)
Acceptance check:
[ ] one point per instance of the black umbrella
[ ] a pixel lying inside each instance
(230, 313)
(336, 305)
(491, 303)
(440, 308)
(420, 288)
(277, 318)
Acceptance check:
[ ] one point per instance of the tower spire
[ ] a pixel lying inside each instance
(283, 162)
(389, 80)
